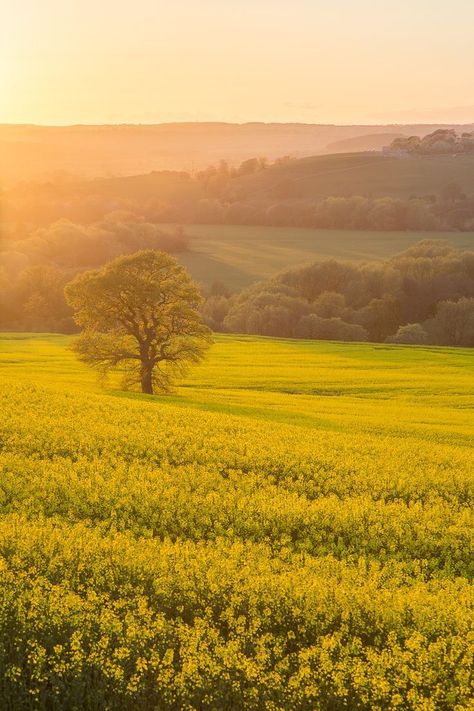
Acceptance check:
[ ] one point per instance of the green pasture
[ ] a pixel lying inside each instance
(239, 255)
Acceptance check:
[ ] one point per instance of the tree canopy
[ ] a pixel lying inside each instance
(424, 294)
(139, 312)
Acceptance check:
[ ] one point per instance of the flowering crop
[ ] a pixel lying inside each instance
(239, 546)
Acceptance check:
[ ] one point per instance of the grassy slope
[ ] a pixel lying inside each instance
(240, 255)
(370, 174)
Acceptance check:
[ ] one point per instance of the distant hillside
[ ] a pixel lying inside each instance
(29, 152)
(368, 174)
(370, 142)
(342, 174)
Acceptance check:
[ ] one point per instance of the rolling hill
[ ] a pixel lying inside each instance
(367, 174)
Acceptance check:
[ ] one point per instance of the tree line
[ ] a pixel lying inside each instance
(443, 141)
(424, 295)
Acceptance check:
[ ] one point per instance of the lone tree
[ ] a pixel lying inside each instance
(139, 312)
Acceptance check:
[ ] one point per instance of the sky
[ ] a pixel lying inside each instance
(311, 61)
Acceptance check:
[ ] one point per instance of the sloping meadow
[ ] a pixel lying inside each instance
(155, 556)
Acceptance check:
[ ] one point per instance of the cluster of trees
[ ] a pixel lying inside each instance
(214, 176)
(34, 300)
(442, 141)
(73, 245)
(36, 265)
(423, 295)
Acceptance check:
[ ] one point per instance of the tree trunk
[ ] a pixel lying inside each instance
(146, 379)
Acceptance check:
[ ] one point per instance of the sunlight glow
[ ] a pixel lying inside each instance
(205, 60)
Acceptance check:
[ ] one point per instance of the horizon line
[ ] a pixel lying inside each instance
(122, 124)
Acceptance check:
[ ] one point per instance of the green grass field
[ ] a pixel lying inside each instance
(240, 255)
(292, 529)
(369, 174)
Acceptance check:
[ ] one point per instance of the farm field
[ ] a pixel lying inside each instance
(292, 529)
(239, 255)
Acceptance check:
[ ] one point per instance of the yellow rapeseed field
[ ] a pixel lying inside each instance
(292, 529)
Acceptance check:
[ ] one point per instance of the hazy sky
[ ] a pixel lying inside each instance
(343, 61)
